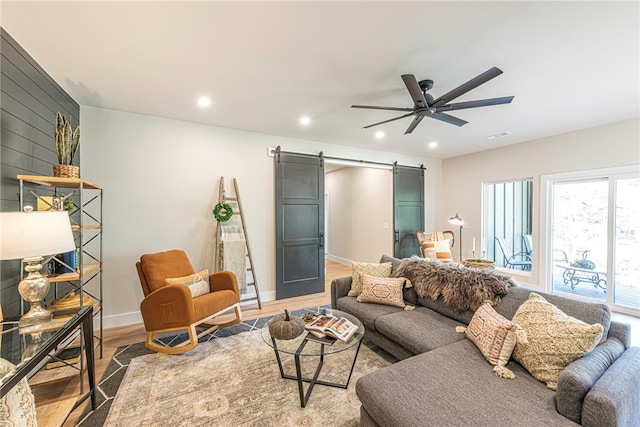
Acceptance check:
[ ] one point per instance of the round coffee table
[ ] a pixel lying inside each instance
(301, 346)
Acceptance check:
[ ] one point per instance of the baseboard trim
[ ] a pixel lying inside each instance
(125, 319)
(339, 260)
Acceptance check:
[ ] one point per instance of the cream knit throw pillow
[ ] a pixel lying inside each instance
(554, 339)
(370, 269)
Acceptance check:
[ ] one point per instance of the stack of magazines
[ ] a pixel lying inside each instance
(326, 329)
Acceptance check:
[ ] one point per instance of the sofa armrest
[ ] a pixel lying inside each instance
(614, 399)
(224, 280)
(620, 331)
(339, 288)
(168, 307)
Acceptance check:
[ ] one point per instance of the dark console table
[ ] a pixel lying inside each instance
(30, 347)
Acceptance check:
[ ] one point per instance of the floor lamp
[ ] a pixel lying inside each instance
(456, 220)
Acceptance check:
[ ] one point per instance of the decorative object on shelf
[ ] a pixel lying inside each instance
(31, 235)
(70, 303)
(68, 356)
(67, 143)
(456, 220)
(286, 327)
(479, 263)
(223, 212)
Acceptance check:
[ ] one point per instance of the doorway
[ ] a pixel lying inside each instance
(593, 230)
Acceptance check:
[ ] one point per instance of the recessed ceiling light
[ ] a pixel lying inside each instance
(204, 102)
(498, 135)
(433, 144)
(305, 120)
(379, 134)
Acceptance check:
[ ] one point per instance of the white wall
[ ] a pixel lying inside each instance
(160, 179)
(360, 203)
(612, 145)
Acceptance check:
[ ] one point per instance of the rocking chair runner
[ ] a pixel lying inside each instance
(171, 308)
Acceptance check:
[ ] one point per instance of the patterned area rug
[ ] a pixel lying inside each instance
(231, 379)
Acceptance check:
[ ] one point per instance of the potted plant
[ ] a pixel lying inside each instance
(67, 143)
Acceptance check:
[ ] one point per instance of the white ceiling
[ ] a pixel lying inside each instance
(570, 65)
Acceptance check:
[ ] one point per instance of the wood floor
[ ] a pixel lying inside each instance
(131, 334)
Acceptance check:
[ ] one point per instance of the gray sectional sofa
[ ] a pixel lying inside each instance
(442, 379)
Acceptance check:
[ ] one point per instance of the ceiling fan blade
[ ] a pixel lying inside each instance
(413, 124)
(447, 118)
(474, 104)
(466, 87)
(414, 90)
(387, 121)
(374, 107)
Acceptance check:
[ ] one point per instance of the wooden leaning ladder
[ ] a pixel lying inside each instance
(222, 198)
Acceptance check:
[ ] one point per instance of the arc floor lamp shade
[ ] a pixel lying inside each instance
(456, 220)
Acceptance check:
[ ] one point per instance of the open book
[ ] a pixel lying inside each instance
(337, 327)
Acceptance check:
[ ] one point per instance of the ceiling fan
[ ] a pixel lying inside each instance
(426, 106)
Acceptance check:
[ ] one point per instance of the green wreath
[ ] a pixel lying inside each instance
(222, 217)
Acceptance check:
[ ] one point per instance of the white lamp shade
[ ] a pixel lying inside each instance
(456, 220)
(32, 234)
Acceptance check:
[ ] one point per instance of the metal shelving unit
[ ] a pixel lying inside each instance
(86, 220)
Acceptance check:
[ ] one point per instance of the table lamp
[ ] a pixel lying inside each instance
(456, 220)
(30, 236)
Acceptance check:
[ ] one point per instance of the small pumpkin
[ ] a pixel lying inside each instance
(286, 327)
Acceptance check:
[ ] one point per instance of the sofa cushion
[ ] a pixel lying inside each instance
(442, 308)
(381, 290)
(586, 311)
(494, 336)
(554, 339)
(395, 262)
(614, 399)
(419, 330)
(450, 386)
(366, 313)
(579, 376)
(371, 269)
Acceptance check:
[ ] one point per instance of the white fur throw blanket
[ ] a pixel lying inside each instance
(461, 288)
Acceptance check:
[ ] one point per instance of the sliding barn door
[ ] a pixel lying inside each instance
(408, 209)
(299, 225)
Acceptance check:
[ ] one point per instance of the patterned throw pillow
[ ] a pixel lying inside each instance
(555, 339)
(18, 406)
(439, 250)
(198, 283)
(370, 269)
(495, 337)
(382, 290)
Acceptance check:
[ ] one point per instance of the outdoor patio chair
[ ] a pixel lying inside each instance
(519, 260)
(527, 239)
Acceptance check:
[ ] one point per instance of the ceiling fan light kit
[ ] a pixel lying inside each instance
(424, 105)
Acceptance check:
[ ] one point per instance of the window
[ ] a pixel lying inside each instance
(507, 208)
(592, 227)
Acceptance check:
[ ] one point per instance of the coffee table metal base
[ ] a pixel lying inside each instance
(304, 397)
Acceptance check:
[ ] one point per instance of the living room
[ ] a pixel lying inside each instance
(160, 173)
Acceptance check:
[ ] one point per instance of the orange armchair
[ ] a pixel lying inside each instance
(171, 308)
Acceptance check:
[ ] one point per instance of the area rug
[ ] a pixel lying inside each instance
(230, 379)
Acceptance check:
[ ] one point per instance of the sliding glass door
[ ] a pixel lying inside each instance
(593, 223)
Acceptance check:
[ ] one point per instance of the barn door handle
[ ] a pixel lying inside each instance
(397, 236)
(322, 240)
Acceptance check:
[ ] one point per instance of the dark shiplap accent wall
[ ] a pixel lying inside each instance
(29, 100)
